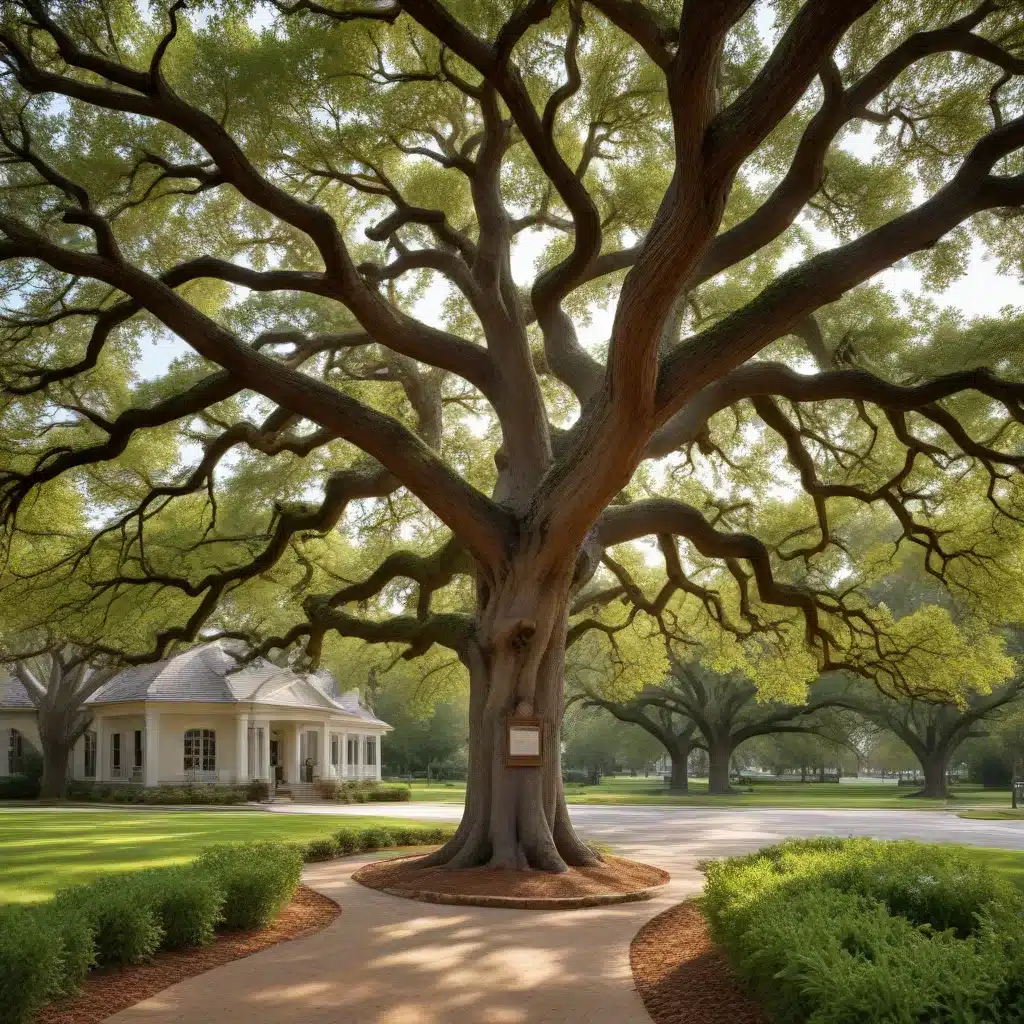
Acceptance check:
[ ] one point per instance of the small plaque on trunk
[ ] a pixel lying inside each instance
(523, 746)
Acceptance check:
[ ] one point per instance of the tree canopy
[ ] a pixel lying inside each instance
(510, 324)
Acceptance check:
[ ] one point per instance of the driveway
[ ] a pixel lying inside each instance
(393, 961)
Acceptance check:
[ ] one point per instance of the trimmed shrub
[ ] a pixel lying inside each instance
(258, 879)
(187, 902)
(30, 963)
(321, 849)
(836, 931)
(406, 835)
(126, 928)
(374, 838)
(125, 793)
(348, 841)
(389, 794)
(436, 835)
(258, 791)
(75, 934)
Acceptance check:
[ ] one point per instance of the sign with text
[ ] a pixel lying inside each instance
(523, 747)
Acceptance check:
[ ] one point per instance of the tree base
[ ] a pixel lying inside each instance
(615, 880)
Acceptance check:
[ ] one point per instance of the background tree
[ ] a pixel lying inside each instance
(599, 745)
(723, 710)
(59, 681)
(324, 202)
(932, 731)
(678, 736)
(433, 744)
(807, 753)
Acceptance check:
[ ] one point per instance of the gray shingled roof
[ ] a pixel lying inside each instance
(13, 695)
(209, 674)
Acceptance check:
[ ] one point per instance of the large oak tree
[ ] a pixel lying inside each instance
(328, 203)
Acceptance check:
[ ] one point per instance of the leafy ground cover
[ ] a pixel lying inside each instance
(831, 931)
(651, 790)
(42, 850)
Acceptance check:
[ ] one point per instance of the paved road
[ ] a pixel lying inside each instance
(712, 832)
(393, 961)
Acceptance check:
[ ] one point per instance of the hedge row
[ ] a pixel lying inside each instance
(830, 931)
(46, 951)
(364, 791)
(355, 840)
(127, 793)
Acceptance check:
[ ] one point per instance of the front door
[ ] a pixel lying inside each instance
(275, 760)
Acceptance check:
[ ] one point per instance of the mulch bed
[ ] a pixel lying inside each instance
(615, 879)
(682, 977)
(111, 989)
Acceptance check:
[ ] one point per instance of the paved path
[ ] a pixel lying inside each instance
(393, 961)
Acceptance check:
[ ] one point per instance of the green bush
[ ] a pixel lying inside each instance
(257, 791)
(258, 879)
(374, 838)
(125, 924)
(840, 931)
(348, 841)
(389, 794)
(406, 835)
(30, 963)
(125, 793)
(187, 902)
(321, 849)
(75, 934)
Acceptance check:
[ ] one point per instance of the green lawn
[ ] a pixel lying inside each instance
(630, 790)
(994, 813)
(1008, 863)
(42, 850)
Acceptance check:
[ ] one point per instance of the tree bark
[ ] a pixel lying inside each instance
(57, 736)
(935, 766)
(719, 756)
(680, 782)
(516, 817)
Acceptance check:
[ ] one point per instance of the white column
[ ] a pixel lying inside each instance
(102, 751)
(377, 744)
(265, 769)
(358, 766)
(241, 748)
(295, 774)
(151, 748)
(343, 766)
(325, 751)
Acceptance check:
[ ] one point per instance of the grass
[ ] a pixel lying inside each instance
(615, 790)
(42, 850)
(1008, 863)
(993, 814)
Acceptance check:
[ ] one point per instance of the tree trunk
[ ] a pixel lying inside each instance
(54, 783)
(516, 817)
(935, 766)
(719, 756)
(680, 782)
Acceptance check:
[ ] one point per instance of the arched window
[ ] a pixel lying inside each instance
(15, 753)
(200, 750)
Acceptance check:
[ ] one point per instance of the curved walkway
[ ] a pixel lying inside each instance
(392, 961)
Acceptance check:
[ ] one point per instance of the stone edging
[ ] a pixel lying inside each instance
(524, 902)
(512, 902)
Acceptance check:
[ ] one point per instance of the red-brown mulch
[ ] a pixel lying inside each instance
(111, 989)
(615, 880)
(682, 977)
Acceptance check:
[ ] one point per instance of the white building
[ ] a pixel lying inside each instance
(199, 718)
